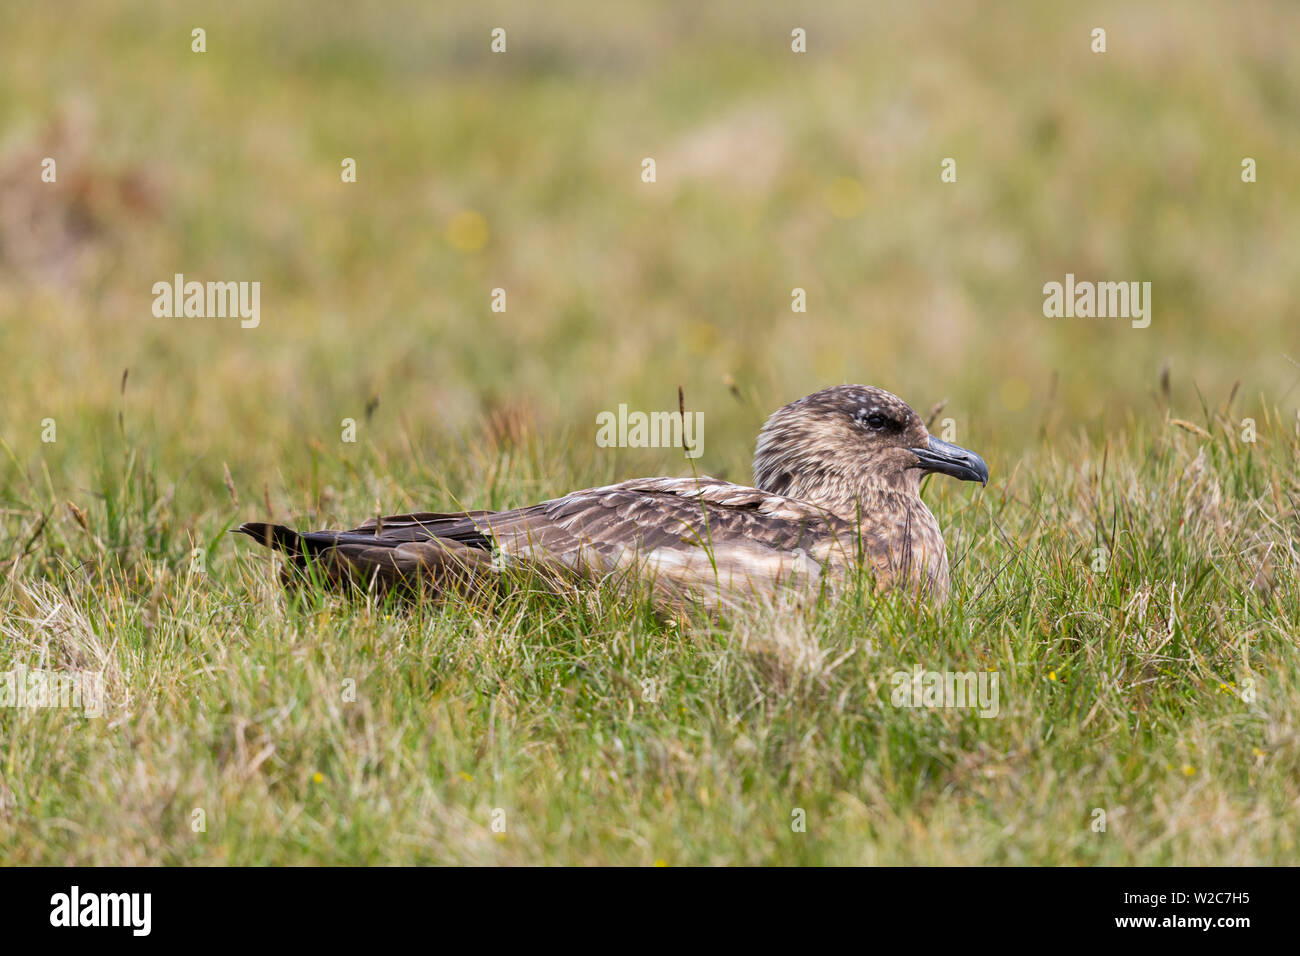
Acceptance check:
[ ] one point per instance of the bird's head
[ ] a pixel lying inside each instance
(846, 444)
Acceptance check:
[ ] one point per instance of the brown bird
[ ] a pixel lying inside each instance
(836, 485)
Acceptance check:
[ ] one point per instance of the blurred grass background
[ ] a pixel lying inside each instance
(775, 171)
(522, 171)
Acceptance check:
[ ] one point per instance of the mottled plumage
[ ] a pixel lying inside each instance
(836, 481)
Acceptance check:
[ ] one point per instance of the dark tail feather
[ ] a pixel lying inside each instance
(275, 536)
(296, 544)
(356, 558)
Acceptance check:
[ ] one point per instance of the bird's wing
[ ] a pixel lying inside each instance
(692, 536)
(463, 526)
(701, 538)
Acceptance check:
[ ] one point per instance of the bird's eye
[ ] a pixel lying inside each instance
(875, 420)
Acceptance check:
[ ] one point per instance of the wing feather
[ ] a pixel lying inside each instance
(695, 537)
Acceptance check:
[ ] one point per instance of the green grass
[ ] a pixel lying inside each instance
(1162, 689)
(1123, 690)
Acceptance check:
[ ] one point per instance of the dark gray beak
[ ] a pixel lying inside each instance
(949, 459)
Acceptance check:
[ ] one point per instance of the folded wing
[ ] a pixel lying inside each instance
(697, 540)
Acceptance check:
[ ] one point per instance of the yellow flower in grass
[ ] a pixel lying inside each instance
(1189, 770)
(318, 777)
(468, 231)
(845, 198)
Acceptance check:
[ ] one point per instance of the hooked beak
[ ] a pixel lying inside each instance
(949, 459)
